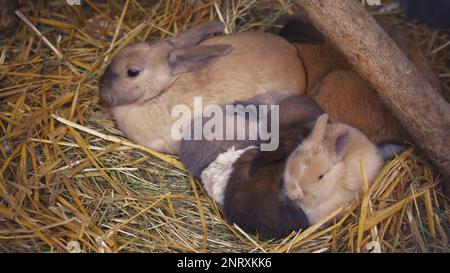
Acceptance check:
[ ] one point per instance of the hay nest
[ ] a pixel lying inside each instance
(70, 181)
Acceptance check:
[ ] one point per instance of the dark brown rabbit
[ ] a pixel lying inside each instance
(254, 197)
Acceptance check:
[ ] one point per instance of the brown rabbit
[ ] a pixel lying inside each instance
(145, 81)
(340, 91)
(254, 197)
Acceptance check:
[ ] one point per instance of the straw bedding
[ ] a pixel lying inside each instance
(70, 181)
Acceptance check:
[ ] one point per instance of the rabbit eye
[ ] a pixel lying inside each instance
(132, 72)
(321, 176)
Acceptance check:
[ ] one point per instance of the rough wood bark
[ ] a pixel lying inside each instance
(424, 113)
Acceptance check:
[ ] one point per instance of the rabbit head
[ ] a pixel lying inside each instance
(323, 173)
(144, 70)
(315, 166)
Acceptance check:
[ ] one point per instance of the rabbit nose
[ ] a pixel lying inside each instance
(105, 95)
(106, 83)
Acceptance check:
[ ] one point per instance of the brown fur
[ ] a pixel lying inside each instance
(254, 197)
(352, 101)
(348, 98)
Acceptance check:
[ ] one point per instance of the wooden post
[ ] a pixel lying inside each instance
(424, 113)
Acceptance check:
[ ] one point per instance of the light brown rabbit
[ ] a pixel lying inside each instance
(146, 80)
(323, 172)
(342, 92)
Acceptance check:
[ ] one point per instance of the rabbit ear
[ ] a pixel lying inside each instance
(341, 142)
(298, 29)
(318, 132)
(195, 35)
(195, 58)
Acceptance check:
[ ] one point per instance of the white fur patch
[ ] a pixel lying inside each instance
(215, 177)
